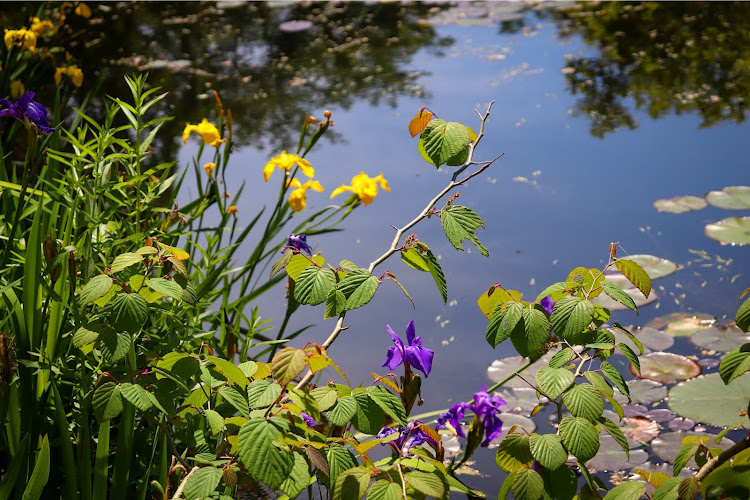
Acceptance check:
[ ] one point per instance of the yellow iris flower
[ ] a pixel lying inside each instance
(26, 38)
(210, 167)
(40, 27)
(298, 197)
(285, 162)
(207, 130)
(17, 89)
(364, 186)
(73, 72)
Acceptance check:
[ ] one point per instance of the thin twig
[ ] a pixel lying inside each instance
(181, 488)
(723, 457)
(338, 327)
(170, 441)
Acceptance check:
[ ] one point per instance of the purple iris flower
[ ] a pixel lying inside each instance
(27, 110)
(485, 407)
(413, 354)
(413, 435)
(298, 241)
(548, 304)
(308, 419)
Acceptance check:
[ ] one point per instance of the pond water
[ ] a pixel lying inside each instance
(599, 111)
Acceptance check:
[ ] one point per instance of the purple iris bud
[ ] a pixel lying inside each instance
(485, 407)
(308, 419)
(454, 416)
(413, 354)
(299, 242)
(548, 304)
(27, 110)
(412, 435)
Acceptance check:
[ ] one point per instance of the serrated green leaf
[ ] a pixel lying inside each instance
(236, 399)
(563, 482)
(298, 479)
(136, 395)
(215, 421)
(389, 403)
(580, 437)
(299, 263)
(559, 287)
(528, 485)
(431, 484)
(514, 453)
(599, 382)
(441, 141)
(632, 337)
(554, 381)
(313, 285)
(369, 417)
(229, 370)
(459, 224)
(85, 335)
(631, 490)
(261, 393)
(616, 433)
(265, 461)
(635, 274)
(571, 316)
(735, 363)
(562, 358)
(114, 345)
(531, 341)
(345, 409)
(335, 304)
(339, 460)
(632, 357)
(129, 312)
(548, 450)
(415, 260)
(202, 483)
(352, 483)
(281, 263)
(583, 400)
(358, 287)
(669, 490)
(384, 489)
(684, 455)
(613, 375)
(742, 318)
(435, 270)
(97, 287)
(688, 489)
(618, 294)
(503, 322)
(170, 288)
(287, 364)
(125, 260)
(325, 397)
(107, 401)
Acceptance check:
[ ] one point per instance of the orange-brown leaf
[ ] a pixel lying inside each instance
(419, 122)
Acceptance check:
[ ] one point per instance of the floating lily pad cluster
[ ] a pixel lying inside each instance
(655, 267)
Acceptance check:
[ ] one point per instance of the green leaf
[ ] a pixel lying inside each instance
(635, 274)
(261, 393)
(389, 403)
(564, 482)
(613, 375)
(324, 396)
(427, 483)
(265, 461)
(528, 485)
(580, 437)
(298, 479)
(459, 224)
(631, 490)
(299, 263)
(358, 287)
(503, 322)
(236, 399)
(548, 450)
(170, 288)
(734, 364)
(619, 295)
(115, 345)
(514, 453)
(532, 340)
(335, 304)
(615, 431)
(202, 483)
(384, 489)
(281, 263)
(136, 395)
(742, 318)
(441, 140)
(684, 455)
(554, 381)
(415, 260)
(599, 382)
(731, 482)
(583, 400)
(352, 483)
(125, 260)
(107, 401)
(560, 286)
(571, 316)
(215, 421)
(345, 409)
(86, 335)
(313, 285)
(129, 312)
(229, 370)
(369, 417)
(339, 460)
(40, 475)
(437, 273)
(287, 364)
(632, 357)
(562, 358)
(632, 337)
(688, 489)
(506, 486)
(97, 287)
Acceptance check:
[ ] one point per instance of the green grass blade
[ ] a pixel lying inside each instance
(101, 465)
(40, 474)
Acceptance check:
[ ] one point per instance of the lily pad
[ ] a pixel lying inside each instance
(707, 400)
(521, 400)
(666, 367)
(709, 363)
(661, 415)
(669, 444)
(730, 231)
(651, 339)
(501, 368)
(680, 204)
(681, 424)
(640, 428)
(682, 324)
(730, 198)
(634, 410)
(640, 300)
(720, 338)
(611, 456)
(643, 392)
